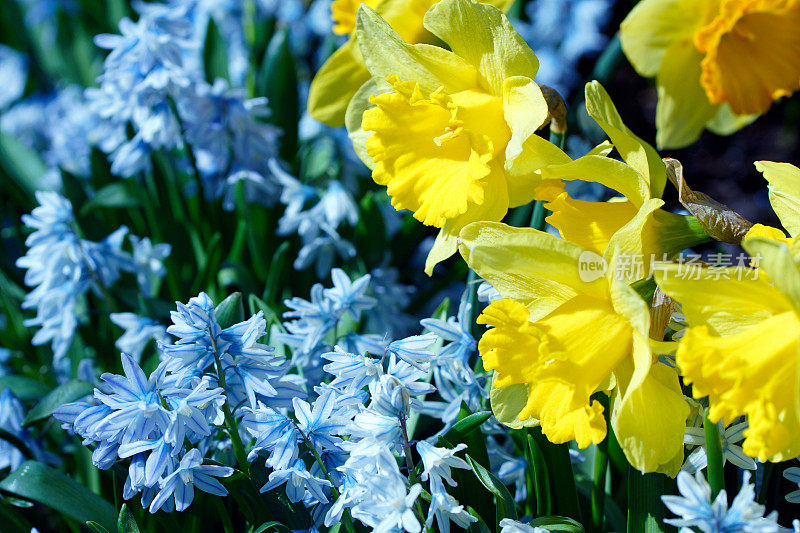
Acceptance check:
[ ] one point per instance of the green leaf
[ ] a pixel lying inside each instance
(24, 388)
(277, 526)
(97, 528)
(256, 304)
(23, 165)
(230, 311)
(467, 424)
(278, 82)
(646, 511)
(275, 275)
(646, 288)
(505, 502)
(11, 520)
(475, 441)
(68, 392)
(40, 483)
(561, 479)
(318, 159)
(215, 57)
(126, 523)
(557, 523)
(540, 480)
(115, 195)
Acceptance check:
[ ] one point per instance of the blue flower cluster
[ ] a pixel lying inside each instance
(63, 267)
(561, 33)
(169, 422)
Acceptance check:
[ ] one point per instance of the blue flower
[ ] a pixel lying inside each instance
(135, 402)
(351, 371)
(12, 415)
(138, 332)
(274, 432)
(437, 463)
(457, 332)
(14, 72)
(62, 268)
(321, 424)
(316, 318)
(148, 261)
(695, 508)
(300, 484)
(191, 472)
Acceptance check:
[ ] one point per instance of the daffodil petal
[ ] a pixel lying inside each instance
(517, 260)
(779, 263)
(588, 224)
(649, 419)
(335, 84)
(609, 172)
(726, 122)
(652, 25)
(386, 54)
(743, 375)
(637, 153)
(525, 111)
(726, 305)
(784, 192)
(683, 108)
(481, 34)
(355, 112)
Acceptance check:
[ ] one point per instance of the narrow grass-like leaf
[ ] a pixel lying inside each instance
(278, 82)
(40, 483)
(114, 195)
(24, 388)
(558, 523)
(23, 165)
(505, 502)
(126, 523)
(277, 526)
(65, 393)
(215, 57)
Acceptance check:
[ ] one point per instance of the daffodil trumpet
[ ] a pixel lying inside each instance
(558, 337)
(451, 133)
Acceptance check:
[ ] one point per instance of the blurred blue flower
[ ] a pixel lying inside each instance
(561, 32)
(138, 332)
(148, 263)
(12, 415)
(62, 268)
(14, 73)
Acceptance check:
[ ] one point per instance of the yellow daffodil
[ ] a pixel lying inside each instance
(743, 347)
(451, 133)
(558, 337)
(640, 179)
(784, 195)
(717, 63)
(344, 72)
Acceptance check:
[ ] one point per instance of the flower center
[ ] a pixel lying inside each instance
(435, 151)
(751, 53)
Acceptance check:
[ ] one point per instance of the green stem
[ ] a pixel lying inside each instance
(646, 511)
(564, 495)
(348, 522)
(716, 477)
(600, 470)
(230, 421)
(412, 471)
(558, 138)
(539, 212)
